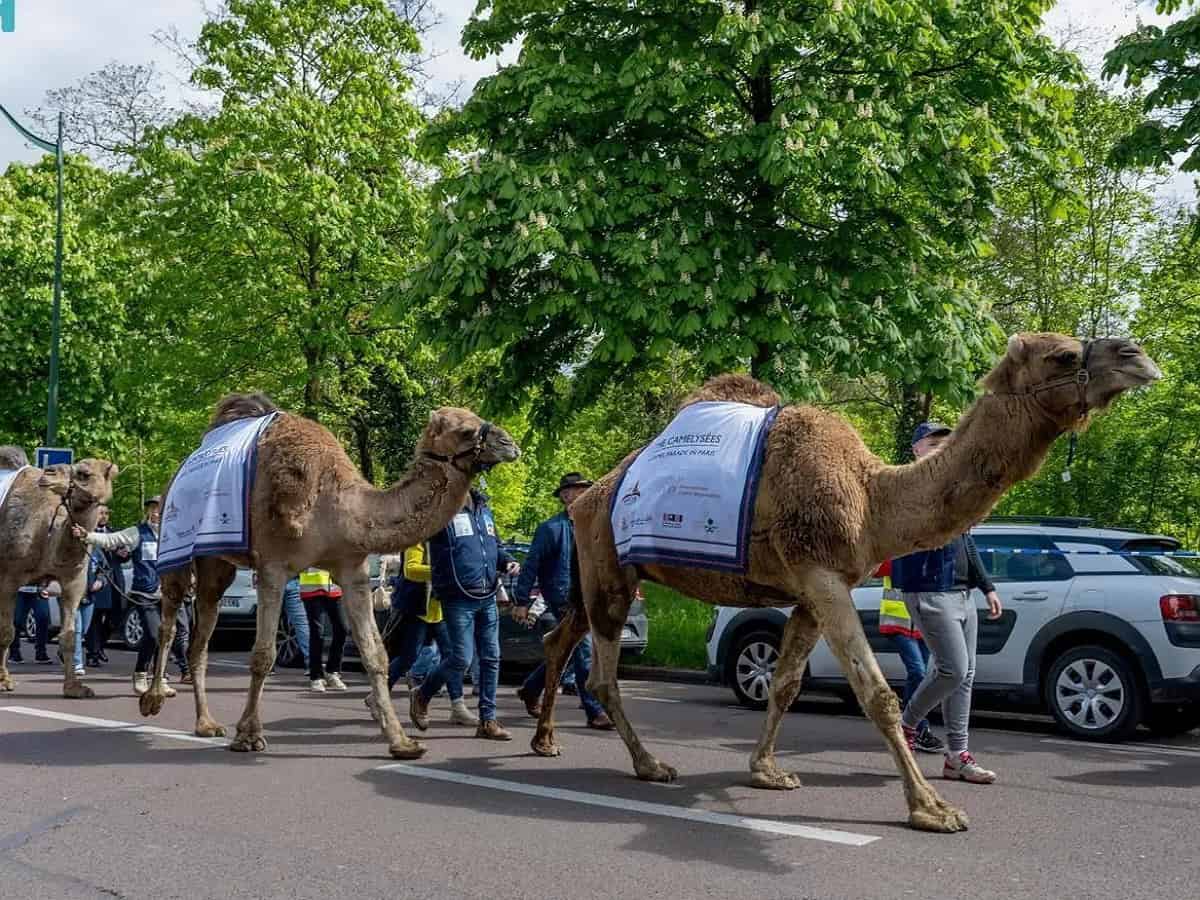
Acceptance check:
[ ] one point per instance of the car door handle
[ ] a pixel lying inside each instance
(1033, 595)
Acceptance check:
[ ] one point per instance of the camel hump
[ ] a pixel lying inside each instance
(241, 406)
(733, 388)
(12, 457)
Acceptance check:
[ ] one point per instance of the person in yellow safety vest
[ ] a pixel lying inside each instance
(897, 625)
(320, 596)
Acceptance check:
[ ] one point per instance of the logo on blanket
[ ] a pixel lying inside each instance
(672, 520)
(172, 512)
(711, 527)
(632, 496)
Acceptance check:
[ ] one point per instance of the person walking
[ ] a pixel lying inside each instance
(87, 606)
(106, 602)
(141, 542)
(896, 624)
(466, 560)
(32, 598)
(297, 618)
(936, 585)
(321, 596)
(549, 566)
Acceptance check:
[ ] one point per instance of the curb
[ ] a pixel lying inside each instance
(655, 673)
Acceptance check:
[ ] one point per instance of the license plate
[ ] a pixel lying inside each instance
(230, 603)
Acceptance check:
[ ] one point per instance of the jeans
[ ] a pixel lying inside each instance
(915, 655)
(293, 611)
(412, 642)
(313, 607)
(41, 616)
(950, 624)
(429, 658)
(151, 619)
(102, 626)
(580, 664)
(83, 621)
(474, 628)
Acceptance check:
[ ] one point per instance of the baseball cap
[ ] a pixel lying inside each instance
(926, 429)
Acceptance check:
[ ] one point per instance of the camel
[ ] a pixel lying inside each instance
(311, 507)
(827, 513)
(36, 543)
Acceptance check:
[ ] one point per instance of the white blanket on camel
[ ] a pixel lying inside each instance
(207, 509)
(688, 498)
(7, 477)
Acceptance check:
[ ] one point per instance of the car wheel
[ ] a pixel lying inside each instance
(1094, 694)
(30, 625)
(131, 629)
(1172, 720)
(752, 666)
(287, 648)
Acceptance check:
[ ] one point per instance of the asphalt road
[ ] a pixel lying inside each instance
(94, 808)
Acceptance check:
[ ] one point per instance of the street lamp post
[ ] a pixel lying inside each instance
(56, 311)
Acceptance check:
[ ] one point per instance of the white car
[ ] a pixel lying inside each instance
(1102, 641)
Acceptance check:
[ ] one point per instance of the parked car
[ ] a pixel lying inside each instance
(1103, 642)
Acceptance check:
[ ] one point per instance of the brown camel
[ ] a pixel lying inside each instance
(311, 507)
(36, 544)
(827, 513)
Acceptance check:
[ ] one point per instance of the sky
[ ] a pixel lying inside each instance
(57, 42)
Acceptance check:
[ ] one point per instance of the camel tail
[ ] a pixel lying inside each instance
(575, 593)
(734, 388)
(241, 406)
(12, 457)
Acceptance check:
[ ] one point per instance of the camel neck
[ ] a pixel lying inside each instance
(1000, 441)
(424, 499)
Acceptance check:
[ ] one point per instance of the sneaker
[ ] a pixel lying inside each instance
(43, 660)
(15, 658)
(964, 768)
(418, 710)
(570, 690)
(333, 681)
(928, 742)
(79, 670)
(141, 683)
(460, 715)
(601, 723)
(910, 736)
(168, 691)
(318, 685)
(492, 730)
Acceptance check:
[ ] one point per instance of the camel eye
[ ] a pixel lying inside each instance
(1066, 357)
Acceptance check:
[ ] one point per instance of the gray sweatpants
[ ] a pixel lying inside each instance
(949, 623)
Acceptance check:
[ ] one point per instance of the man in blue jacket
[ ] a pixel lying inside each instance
(936, 587)
(466, 559)
(549, 564)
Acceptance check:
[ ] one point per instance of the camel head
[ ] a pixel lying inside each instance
(89, 483)
(466, 441)
(1069, 378)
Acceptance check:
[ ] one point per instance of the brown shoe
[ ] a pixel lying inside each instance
(533, 705)
(601, 723)
(187, 678)
(418, 710)
(493, 731)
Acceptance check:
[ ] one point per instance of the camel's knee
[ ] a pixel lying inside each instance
(262, 660)
(883, 708)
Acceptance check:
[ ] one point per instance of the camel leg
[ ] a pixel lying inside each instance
(8, 608)
(271, 579)
(558, 646)
(151, 702)
(356, 595)
(213, 577)
(799, 637)
(68, 603)
(843, 631)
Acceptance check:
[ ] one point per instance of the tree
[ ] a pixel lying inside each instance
(785, 186)
(1166, 59)
(286, 213)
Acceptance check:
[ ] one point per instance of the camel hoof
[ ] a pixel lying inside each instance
(659, 772)
(248, 743)
(77, 690)
(408, 750)
(151, 704)
(545, 747)
(944, 819)
(7, 684)
(774, 780)
(209, 728)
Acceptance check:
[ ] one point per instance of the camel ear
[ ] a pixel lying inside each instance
(1017, 347)
(112, 471)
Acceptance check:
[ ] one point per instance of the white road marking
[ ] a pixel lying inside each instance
(653, 699)
(769, 826)
(228, 664)
(1132, 748)
(114, 725)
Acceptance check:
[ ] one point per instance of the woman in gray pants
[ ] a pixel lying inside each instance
(936, 586)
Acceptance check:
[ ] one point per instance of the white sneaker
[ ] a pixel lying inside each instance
(460, 715)
(318, 685)
(333, 681)
(964, 768)
(79, 670)
(141, 683)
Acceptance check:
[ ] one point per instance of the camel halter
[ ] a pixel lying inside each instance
(472, 452)
(64, 504)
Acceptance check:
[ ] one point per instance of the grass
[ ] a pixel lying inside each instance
(678, 625)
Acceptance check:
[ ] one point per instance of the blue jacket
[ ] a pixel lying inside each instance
(925, 571)
(549, 562)
(145, 561)
(466, 557)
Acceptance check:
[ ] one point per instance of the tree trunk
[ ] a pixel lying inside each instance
(914, 409)
(760, 364)
(362, 440)
(312, 386)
